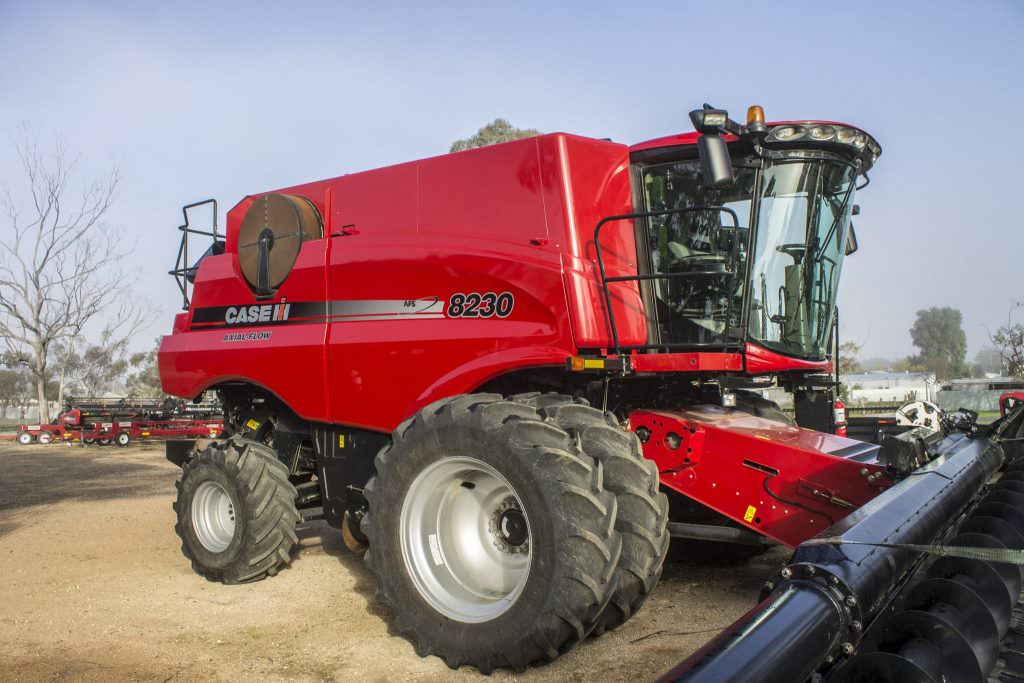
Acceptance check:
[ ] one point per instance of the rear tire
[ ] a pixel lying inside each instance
(236, 512)
(24, 438)
(123, 439)
(643, 510)
(45, 438)
(430, 509)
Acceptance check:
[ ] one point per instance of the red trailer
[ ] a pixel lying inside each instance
(120, 421)
(120, 432)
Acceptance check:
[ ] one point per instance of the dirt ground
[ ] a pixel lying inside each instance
(94, 588)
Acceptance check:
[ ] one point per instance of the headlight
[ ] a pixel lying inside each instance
(823, 132)
(787, 133)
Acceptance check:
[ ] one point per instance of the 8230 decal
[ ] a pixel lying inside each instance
(473, 305)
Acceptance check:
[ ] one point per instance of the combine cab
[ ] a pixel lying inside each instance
(510, 374)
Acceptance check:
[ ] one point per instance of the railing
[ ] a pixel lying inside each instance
(605, 280)
(182, 272)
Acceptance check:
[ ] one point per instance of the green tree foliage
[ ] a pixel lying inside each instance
(939, 336)
(15, 387)
(91, 369)
(144, 379)
(848, 363)
(498, 130)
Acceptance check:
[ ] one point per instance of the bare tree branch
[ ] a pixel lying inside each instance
(61, 266)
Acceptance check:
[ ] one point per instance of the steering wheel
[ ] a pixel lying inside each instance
(795, 250)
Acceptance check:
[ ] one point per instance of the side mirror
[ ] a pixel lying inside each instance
(715, 164)
(851, 241)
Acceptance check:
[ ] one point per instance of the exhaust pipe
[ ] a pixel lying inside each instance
(816, 611)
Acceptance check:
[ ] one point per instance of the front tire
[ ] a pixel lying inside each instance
(236, 512)
(491, 534)
(24, 438)
(123, 439)
(642, 520)
(45, 438)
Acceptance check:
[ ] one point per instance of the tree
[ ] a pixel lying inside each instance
(60, 264)
(144, 382)
(989, 359)
(848, 363)
(940, 338)
(13, 387)
(498, 130)
(91, 369)
(1008, 341)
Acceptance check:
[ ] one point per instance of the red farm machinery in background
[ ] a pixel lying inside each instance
(510, 375)
(120, 421)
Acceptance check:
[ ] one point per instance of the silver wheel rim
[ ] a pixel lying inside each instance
(122, 439)
(213, 516)
(24, 438)
(45, 438)
(466, 539)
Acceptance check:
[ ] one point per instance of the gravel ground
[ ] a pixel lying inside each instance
(94, 588)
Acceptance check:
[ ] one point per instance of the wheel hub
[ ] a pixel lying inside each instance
(465, 539)
(508, 525)
(213, 516)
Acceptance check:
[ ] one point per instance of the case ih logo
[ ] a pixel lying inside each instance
(250, 315)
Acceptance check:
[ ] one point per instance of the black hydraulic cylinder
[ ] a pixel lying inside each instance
(806, 620)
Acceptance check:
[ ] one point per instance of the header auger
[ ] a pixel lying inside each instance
(510, 374)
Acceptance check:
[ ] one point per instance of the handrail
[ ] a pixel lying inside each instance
(659, 276)
(181, 266)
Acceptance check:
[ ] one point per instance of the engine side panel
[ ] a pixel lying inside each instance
(432, 278)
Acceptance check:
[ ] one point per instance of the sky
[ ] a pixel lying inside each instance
(222, 99)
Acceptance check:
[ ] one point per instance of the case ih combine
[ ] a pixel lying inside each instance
(511, 373)
(120, 421)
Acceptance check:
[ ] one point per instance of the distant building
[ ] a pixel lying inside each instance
(890, 387)
(977, 393)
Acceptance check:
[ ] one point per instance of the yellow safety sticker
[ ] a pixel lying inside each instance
(252, 424)
(748, 516)
(593, 364)
(341, 440)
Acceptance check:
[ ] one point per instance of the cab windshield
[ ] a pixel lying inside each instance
(802, 225)
(720, 282)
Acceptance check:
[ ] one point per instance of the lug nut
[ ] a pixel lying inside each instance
(769, 586)
(833, 581)
(786, 573)
(809, 570)
(855, 626)
(848, 649)
(850, 601)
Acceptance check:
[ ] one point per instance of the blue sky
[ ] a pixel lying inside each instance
(193, 100)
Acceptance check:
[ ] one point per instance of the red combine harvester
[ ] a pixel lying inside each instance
(511, 373)
(120, 421)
